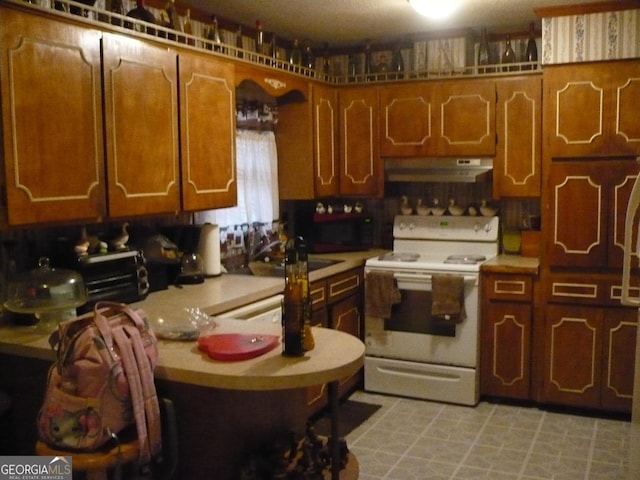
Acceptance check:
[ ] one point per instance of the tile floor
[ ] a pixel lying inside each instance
(414, 439)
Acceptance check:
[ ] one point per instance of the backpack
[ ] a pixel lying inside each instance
(102, 381)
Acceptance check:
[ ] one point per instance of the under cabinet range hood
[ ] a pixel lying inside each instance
(438, 170)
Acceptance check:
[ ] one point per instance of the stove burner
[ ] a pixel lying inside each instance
(465, 259)
(399, 257)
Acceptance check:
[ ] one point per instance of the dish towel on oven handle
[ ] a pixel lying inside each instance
(380, 294)
(447, 293)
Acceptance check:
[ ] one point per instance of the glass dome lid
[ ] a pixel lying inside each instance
(45, 289)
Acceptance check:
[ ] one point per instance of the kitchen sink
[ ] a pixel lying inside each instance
(276, 269)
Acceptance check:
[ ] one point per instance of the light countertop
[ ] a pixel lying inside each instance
(514, 264)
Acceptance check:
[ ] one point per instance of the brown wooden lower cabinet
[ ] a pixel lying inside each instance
(505, 364)
(341, 310)
(589, 356)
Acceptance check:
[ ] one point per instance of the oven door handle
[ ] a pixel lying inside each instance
(428, 277)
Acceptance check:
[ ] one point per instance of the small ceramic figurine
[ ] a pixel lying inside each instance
(473, 211)
(347, 208)
(358, 207)
(437, 209)
(82, 247)
(120, 241)
(329, 209)
(405, 208)
(487, 210)
(421, 208)
(454, 209)
(320, 208)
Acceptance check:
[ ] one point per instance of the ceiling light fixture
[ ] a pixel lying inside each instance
(435, 9)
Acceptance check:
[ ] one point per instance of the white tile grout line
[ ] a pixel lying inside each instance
(466, 455)
(592, 447)
(525, 461)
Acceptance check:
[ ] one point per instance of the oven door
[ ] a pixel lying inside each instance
(412, 334)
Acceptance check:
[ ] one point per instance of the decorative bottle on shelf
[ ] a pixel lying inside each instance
(308, 59)
(214, 35)
(397, 63)
(326, 63)
(187, 28)
(508, 56)
(259, 39)
(292, 304)
(274, 50)
(141, 12)
(295, 55)
(483, 52)
(367, 60)
(239, 42)
(531, 53)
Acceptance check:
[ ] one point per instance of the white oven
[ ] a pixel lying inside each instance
(411, 352)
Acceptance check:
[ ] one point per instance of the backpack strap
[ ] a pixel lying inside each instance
(130, 366)
(150, 397)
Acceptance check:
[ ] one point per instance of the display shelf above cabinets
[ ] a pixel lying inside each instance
(422, 59)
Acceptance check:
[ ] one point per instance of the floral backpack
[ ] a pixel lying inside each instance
(102, 381)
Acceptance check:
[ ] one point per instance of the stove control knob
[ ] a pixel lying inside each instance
(402, 225)
(412, 225)
(487, 227)
(476, 228)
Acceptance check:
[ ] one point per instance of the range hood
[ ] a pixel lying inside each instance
(438, 170)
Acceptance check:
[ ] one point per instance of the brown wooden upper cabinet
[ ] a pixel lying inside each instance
(518, 160)
(587, 208)
(448, 118)
(360, 165)
(593, 108)
(307, 140)
(207, 133)
(52, 119)
(141, 124)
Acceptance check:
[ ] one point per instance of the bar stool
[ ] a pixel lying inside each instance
(96, 465)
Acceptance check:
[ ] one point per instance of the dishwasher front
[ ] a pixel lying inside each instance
(265, 310)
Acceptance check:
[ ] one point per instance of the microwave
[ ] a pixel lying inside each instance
(336, 232)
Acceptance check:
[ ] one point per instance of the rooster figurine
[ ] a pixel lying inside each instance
(421, 208)
(120, 241)
(82, 247)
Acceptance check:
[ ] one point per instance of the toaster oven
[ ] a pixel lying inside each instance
(118, 277)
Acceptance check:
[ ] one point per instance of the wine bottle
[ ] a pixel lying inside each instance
(531, 53)
(367, 60)
(292, 304)
(259, 39)
(239, 42)
(295, 55)
(508, 56)
(483, 52)
(397, 63)
(309, 60)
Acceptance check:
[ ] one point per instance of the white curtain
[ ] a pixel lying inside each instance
(257, 167)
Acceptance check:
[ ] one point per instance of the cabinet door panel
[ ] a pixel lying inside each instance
(406, 120)
(621, 177)
(506, 350)
(141, 115)
(626, 91)
(325, 136)
(207, 112)
(518, 124)
(578, 202)
(345, 316)
(573, 355)
(466, 118)
(620, 326)
(52, 119)
(360, 162)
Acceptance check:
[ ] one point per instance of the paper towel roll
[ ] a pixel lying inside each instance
(209, 249)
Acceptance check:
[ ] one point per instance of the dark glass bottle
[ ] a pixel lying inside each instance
(187, 27)
(326, 63)
(367, 61)
(303, 278)
(274, 50)
(292, 305)
(295, 55)
(259, 38)
(531, 53)
(308, 59)
(239, 42)
(483, 52)
(508, 56)
(397, 63)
